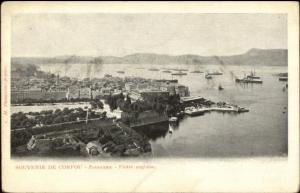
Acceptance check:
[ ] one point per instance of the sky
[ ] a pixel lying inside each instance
(122, 34)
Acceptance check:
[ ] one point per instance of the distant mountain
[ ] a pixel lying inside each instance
(267, 57)
(270, 57)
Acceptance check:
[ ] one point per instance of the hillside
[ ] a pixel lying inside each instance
(267, 57)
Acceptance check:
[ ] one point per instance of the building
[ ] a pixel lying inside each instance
(73, 92)
(182, 90)
(85, 93)
(143, 118)
(135, 95)
(169, 88)
(20, 96)
(129, 86)
(142, 86)
(148, 94)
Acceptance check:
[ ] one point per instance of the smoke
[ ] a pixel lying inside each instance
(94, 66)
(224, 67)
(88, 70)
(67, 64)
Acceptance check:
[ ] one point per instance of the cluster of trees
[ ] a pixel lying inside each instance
(20, 138)
(160, 104)
(20, 119)
(156, 103)
(115, 101)
(117, 141)
(97, 104)
(48, 117)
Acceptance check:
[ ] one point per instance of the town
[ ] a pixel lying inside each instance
(112, 122)
(32, 85)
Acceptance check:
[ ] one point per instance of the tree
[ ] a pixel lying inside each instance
(120, 103)
(97, 104)
(128, 99)
(121, 96)
(66, 111)
(57, 119)
(57, 111)
(104, 114)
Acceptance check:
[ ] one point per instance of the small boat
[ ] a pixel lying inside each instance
(220, 87)
(153, 69)
(120, 72)
(173, 119)
(207, 76)
(242, 110)
(166, 71)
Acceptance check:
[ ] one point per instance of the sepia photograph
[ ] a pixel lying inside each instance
(132, 90)
(158, 85)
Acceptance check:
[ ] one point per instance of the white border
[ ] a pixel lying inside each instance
(174, 175)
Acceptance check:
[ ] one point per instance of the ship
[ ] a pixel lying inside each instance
(253, 76)
(120, 72)
(166, 80)
(215, 73)
(179, 69)
(283, 78)
(179, 73)
(166, 71)
(196, 71)
(248, 80)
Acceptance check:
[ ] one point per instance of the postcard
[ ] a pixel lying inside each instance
(150, 96)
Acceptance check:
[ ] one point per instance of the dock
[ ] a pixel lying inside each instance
(194, 111)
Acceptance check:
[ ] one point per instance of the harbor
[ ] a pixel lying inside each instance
(202, 102)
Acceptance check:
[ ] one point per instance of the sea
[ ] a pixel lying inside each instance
(261, 132)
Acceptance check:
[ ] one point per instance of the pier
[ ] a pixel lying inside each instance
(193, 111)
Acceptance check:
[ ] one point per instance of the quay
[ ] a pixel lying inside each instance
(196, 105)
(194, 111)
